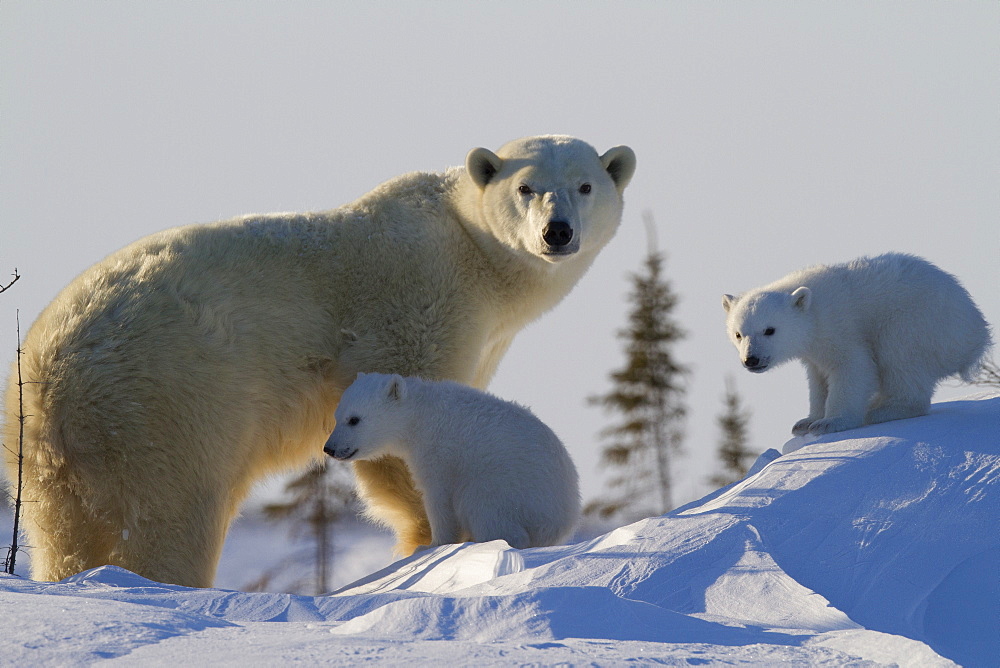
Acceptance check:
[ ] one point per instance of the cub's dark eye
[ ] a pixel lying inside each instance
(353, 420)
(585, 189)
(769, 331)
(738, 336)
(524, 190)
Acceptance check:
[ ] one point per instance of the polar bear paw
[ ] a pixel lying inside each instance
(834, 424)
(801, 428)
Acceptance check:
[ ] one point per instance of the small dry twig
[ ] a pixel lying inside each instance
(13, 281)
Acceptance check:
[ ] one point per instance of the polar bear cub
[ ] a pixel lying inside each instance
(487, 468)
(875, 334)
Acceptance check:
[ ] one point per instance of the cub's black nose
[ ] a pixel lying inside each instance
(751, 362)
(557, 233)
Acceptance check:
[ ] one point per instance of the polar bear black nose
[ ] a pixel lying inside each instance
(557, 233)
(751, 362)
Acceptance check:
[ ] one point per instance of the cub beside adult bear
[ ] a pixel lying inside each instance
(169, 377)
(488, 469)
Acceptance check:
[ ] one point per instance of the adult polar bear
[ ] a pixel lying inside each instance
(176, 372)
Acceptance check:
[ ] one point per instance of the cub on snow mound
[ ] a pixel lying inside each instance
(488, 469)
(169, 377)
(875, 334)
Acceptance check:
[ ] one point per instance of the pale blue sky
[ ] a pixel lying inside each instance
(769, 136)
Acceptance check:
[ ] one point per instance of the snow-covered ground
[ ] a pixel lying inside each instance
(875, 546)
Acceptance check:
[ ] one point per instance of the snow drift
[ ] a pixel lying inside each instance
(877, 544)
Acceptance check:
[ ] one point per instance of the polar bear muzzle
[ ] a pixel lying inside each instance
(558, 234)
(339, 452)
(755, 364)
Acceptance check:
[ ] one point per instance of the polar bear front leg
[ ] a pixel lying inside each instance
(850, 385)
(817, 399)
(444, 524)
(391, 499)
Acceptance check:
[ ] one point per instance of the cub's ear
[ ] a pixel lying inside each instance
(482, 165)
(397, 388)
(619, 162)
(802, 298)
(727, 302)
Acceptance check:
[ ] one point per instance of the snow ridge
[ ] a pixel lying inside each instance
(867, 547)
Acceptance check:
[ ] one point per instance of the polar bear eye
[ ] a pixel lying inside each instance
(769, 331)
(524, 190)
(353, 420)
(585, 189)
(738, 336)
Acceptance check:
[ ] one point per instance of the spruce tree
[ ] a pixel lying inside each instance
(733, 453)
(648, 395)
(314, 502)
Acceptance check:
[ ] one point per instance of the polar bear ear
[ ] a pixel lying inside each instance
(397, 388)
(482, 165)
(619, 162)
(802, 298)
(727, 302)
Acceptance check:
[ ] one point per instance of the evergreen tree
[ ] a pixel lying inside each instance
(316, 500)
(648, 394)
(733, 452)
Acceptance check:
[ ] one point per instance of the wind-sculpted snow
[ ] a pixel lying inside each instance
(878, 544)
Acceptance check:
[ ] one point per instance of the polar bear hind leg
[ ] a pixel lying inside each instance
(904, 392)
(180, 543)
(63, 538)
(499, 528)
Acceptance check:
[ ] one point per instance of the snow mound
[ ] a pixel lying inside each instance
(878, 544)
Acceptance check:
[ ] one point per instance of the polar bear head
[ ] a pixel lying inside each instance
(550, 197)
(371, 420)
(769, 328)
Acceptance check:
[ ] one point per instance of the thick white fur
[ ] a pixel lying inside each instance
(172, 375)
(875, 334)
(488, 469)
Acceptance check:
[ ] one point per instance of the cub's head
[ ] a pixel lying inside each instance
(768, 328)
(550, 197)
(369, 418)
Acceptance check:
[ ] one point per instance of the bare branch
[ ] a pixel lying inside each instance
(989, 374)
(16, 276)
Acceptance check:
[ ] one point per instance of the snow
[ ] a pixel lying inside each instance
(869, 547)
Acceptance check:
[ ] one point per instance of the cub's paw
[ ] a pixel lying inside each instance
(801, 428)
(830, 425)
